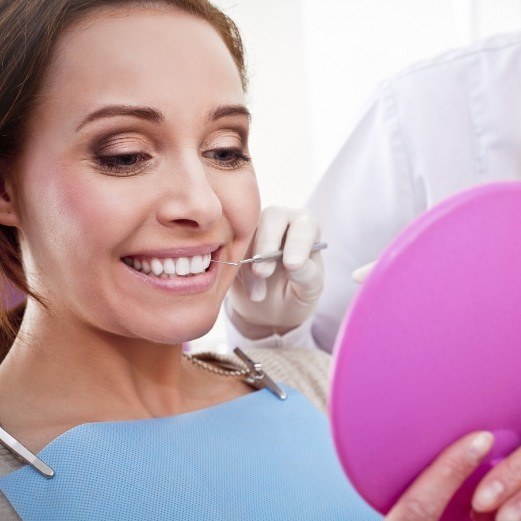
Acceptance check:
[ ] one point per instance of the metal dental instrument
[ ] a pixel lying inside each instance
(263, 257)
(25, 454)
(257, 377)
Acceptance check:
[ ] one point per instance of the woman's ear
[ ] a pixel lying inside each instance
(8, 215)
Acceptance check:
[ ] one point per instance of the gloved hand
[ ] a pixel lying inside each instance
(360, 274)
(277, 296)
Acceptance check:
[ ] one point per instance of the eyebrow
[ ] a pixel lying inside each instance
(156, 116)
(228, 110)
(146, 113)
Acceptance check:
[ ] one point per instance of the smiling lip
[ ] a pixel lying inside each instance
(174, 253)
(180, 285)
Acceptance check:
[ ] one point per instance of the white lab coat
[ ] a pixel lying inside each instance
(431, 131)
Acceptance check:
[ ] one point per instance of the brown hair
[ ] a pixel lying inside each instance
(29, 30)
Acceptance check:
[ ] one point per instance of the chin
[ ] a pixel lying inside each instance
(179, 331)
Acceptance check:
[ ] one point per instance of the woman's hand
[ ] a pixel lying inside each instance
(277, 296)
(498, 495)
(428, 496)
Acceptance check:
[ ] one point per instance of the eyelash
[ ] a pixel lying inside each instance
(239, 158)
(108, 163)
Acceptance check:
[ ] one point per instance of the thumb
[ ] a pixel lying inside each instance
(360, 274)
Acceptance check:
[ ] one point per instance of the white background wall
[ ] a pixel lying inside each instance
(313, 64)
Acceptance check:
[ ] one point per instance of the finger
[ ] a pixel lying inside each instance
(308, 281)
(499, 484)
(273, 224)
(259, 290)
(361, 274)
(256, 288)
(302, 233)
(430, 493)
(511, 510)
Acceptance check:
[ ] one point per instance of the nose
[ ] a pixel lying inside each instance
(188, 197)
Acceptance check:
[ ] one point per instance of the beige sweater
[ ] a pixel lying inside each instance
(306, 370)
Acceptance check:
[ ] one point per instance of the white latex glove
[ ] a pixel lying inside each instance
(361, 274)
(277, 296)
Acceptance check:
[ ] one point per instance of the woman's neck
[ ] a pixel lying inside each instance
(59, 375)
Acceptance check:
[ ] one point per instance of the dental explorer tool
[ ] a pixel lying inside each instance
(263, 257)
(25, 454)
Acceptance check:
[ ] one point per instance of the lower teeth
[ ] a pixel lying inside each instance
(165, 275)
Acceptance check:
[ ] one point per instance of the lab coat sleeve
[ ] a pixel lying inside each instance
(364, 199)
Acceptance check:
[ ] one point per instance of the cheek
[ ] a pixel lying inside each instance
(241, 205)
(65, 210)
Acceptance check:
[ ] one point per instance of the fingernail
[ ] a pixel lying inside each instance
(263, 269)
(488, 496)
(480, 445)
(512, 513)
(294, 260)
(360, 274)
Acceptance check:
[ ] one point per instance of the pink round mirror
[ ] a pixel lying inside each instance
(431, 347)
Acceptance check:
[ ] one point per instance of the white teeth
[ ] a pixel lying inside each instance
(182, 266)
(145, 266)
(169, 266)
(196, 264)
(156, 266)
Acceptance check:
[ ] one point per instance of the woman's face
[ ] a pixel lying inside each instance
(137, 161)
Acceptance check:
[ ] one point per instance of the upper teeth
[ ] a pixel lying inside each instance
(165, 267)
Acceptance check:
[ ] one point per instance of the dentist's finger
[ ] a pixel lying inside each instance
(303, 231)
(273, 224)
(361, 274)
(308, 281)
(258, 290)
(255, 287)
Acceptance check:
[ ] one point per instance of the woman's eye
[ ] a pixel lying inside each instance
(227, 157)
(123, 164)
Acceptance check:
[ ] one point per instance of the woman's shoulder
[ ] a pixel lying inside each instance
(8, 463)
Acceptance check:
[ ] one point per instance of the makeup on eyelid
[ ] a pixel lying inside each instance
(127, 155)
(111, 143)
(123, 141)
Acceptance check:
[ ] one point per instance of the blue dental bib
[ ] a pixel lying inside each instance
(254, 458)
